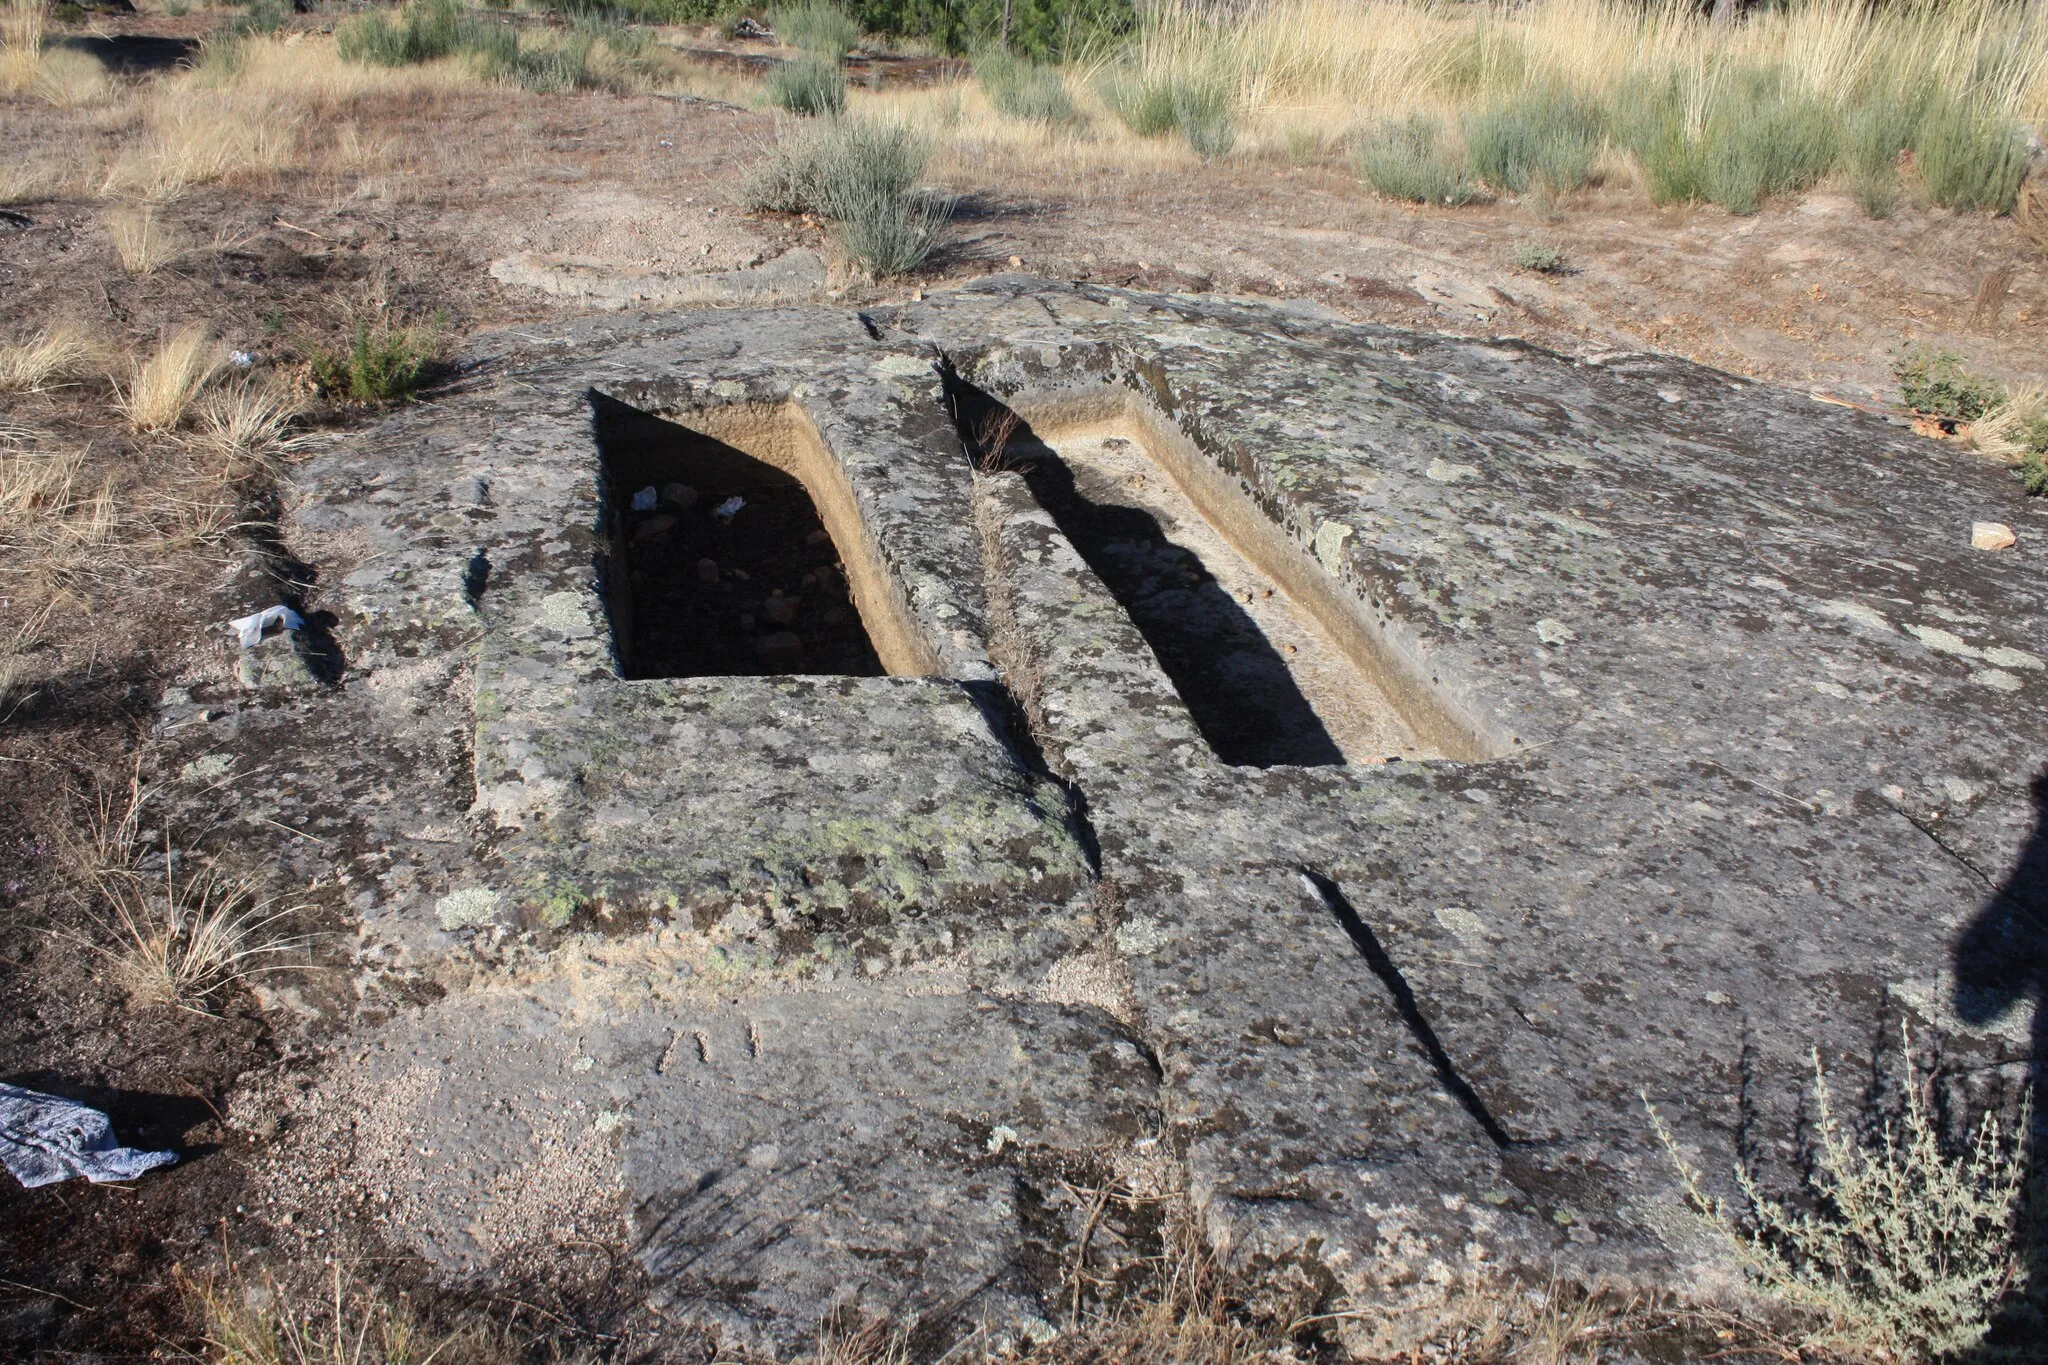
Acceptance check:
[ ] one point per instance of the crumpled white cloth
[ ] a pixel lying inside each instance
(44, 1139)
(251, 628)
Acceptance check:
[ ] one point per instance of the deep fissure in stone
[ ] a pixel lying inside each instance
(719, 563)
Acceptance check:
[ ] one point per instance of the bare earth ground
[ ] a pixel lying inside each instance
(1808, 295)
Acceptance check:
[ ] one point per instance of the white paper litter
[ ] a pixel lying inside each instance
(646, 500)
(251, 628)
(730, 508)
(241, 360)
(44, 1139)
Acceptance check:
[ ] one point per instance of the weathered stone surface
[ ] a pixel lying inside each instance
(794, 276)
(1747, 725)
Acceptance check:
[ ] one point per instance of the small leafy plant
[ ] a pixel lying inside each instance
(384, 364)
(1936, 383)
(1545, 258)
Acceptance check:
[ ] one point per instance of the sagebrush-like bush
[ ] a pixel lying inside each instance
(1546, 139)
(1763, 142)
(1905, 1244)
(1022, 89)
(1144, 104)
(816, 26)
(1878, 129)
(863, 176)
(1968, 159)
(1410, 161)
(810, 86)
(1202, 108)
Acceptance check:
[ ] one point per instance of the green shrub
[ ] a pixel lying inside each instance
(1408, 161)
(2032, 438)
(809, 85)
(1202, 109)
(816, 26)
(1546, 139)
(1545, 258)
(1879, 127)
(890, 234)
(387, 365)
(1968, 159)
(220, 52)
(1199, 106)
(563, 65)
(1935, 382)
(864, 177)
(422, 32)
(1041, 29)
(1020, 88)
(1761, 142)
(628, 40)
(1144, 104)
(859, 162)
(2034, 475)
(1653, 120)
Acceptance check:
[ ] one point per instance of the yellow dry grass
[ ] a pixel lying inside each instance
(198, 137)
(162, 388)
(21, 45)
(245, 422)
(2004, 433)
(1306, 74)
(140, 240)
(52, 354)
(1345, 58)
(71, 80)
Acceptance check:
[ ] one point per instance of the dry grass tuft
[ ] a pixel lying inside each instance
(246, 421)
(15, 665)
(180, 934)
(46, 506)
(140, 240)
(56, 353)
(199, 137)
(348, 1322)
(162, 389)
(23, 181)
(2007, 432)
(21, 45)
(73, 80)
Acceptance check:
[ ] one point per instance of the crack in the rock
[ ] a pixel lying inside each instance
(1368, 945)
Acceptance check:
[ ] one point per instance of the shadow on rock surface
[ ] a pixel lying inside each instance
(2001, 963)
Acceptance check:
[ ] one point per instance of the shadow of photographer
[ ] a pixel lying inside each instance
(2001, 964)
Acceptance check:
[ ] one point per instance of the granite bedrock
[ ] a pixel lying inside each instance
(818, 986)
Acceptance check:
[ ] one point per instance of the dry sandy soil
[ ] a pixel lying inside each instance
(1808, 294)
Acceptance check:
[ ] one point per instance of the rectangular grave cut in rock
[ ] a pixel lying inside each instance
(1267, 652)
(733, 548)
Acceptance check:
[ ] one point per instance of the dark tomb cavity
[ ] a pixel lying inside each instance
(719, 563)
